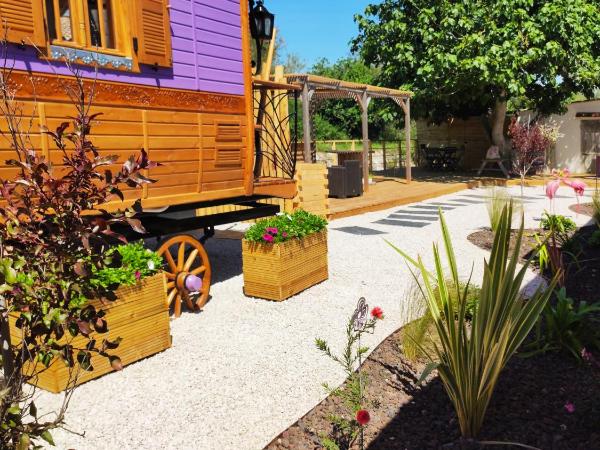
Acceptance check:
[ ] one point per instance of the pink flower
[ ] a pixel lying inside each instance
(272, 230)
(377, 313)
(267, 237)
(363, 417)
(284, 234)
(138, 275)
(570, 407)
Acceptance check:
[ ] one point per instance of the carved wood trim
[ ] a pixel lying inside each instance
(49, 87)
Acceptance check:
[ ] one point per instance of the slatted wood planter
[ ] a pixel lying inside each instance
(139, 316)
(278, 271)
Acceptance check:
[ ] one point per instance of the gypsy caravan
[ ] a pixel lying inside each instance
(173, 77)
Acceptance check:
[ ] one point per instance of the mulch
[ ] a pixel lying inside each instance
(528, 406)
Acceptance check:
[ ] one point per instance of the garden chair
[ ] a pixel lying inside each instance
(495, 158)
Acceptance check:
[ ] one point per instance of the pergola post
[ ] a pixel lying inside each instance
(407, 137)
(306, 122)
(364, 106)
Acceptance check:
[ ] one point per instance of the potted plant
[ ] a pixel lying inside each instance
(137, 315)
(284, 255)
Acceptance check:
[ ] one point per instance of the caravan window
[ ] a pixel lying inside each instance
(84, 24)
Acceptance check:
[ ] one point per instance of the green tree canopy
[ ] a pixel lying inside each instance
(474, 56)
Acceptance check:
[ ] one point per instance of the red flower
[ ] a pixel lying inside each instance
(138, 275)
(377, 313)
(363, 417)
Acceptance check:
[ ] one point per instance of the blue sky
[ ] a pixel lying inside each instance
(317, 28)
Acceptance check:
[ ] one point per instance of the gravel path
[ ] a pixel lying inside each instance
(243, 370)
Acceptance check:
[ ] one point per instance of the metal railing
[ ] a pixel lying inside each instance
(275, 129)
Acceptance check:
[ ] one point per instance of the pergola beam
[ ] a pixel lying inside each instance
(317, 87)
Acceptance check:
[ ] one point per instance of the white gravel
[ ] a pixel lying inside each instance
(243, 370)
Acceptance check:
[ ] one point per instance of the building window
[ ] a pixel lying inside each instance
(590, 136)
(84, 24)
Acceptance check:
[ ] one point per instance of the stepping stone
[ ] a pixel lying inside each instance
(432, 207)
(468, 202)
(359, 231)
(415, 211)
(410, 216)
(403, 223)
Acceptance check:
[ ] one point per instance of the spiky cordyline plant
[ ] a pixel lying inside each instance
(469, 359)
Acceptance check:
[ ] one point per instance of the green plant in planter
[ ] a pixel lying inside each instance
(284, 227)
(470, 358)
(135, 263)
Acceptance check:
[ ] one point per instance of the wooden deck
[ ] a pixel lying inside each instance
(391, 192)
(388, 192)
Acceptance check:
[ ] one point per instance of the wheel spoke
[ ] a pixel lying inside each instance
(177, 308)
(170, 262)
(181, 256)
(188, 302)
(198, 270)
(190, 259)
(170, 285)
(170, 276)
(171, 296)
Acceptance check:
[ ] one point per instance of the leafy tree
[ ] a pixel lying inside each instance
(474, 56)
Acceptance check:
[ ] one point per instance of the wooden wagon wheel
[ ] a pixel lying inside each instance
(190, 259)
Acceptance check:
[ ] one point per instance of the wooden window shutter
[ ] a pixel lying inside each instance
(154, 33)
(24, 21)
(229, 145)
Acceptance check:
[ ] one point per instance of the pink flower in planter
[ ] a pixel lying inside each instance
(267, 237)
(138, 275)
(272, 230)
(284, 234)
(570, 407)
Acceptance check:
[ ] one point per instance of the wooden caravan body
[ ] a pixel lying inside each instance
(170, 76)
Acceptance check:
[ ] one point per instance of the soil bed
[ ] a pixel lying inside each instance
(583, 270)
(528, 407)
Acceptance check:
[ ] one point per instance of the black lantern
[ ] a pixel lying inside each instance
(261, 28)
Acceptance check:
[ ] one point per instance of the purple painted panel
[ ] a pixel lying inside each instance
(207, 51)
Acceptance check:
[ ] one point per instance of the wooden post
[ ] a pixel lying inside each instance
(407, 136)
(364, 106)
(384, 159)
(306, 122)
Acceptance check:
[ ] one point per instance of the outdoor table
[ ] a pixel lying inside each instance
(441, 158)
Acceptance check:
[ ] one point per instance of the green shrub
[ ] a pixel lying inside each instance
(496, 200)
(418, 336)
(566, 327)
(594, 240)
(559, 226)
(284, 227)
(596, 207)
(136, 262)
(469, 359)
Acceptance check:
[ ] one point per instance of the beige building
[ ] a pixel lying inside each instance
(579, 136)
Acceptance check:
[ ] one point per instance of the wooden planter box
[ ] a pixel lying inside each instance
(140, 316)
(278, 271)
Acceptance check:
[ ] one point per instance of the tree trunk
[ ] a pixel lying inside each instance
(498, 117)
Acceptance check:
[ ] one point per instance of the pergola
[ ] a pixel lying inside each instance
(316, 88)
